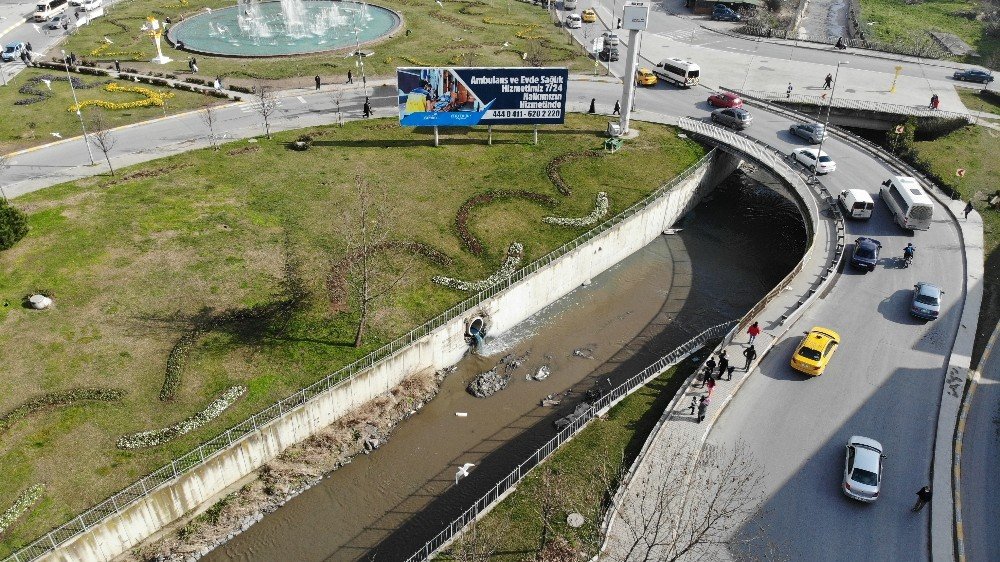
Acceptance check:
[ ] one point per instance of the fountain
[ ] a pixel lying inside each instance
(260, 29)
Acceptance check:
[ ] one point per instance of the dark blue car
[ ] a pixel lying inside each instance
(973, 75)
(865, 255)
(721, 12)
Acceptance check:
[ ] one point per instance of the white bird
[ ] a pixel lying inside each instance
(506, 44)
(48, 83)
(439, 3)
(57, 135)
(207, 9)
(463, 471)
(108, 41)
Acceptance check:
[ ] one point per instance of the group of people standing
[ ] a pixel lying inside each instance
(716, 370)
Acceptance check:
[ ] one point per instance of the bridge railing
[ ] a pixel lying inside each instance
(844, 103)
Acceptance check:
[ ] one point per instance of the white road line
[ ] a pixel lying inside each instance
(301, 99)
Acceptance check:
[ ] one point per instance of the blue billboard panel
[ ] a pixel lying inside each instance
(463, 97)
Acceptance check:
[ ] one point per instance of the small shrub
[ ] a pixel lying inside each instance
(13, 225)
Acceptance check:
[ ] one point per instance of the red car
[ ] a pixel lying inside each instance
(725, 99)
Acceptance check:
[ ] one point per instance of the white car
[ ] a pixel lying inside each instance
(87, 5)
(574, 21)
(863, 469)
(807, 157)
(611, 38)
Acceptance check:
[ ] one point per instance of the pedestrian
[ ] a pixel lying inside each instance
(923, 496)
(65, 25)
(723, 364)
(619, 23)
(702, 408)
(118, 66)
(367, 108)
(788, 91)
(729, 371)
(754, 331)
(709, 369)
(618, 108)
(968, 208)
(218, 83)
(693, 406)
(593, 105)
(750, 353)
(318, 82)
(350, 77)
(935, 101)
(72, 58)
(710, 383)
(828, 82)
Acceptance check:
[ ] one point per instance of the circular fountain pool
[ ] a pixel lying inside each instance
(288, 27)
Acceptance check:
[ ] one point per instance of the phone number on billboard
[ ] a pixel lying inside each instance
(526, 113)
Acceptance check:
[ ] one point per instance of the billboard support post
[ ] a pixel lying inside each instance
(437, 141)
(634, 17)
(489, 132)
(536, 135)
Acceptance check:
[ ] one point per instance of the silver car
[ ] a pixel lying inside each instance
(863, 469)
(734, 117)
(926, 302)
(812, 132)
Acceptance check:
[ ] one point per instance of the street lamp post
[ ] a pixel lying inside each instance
(826, 123)
(76, 104)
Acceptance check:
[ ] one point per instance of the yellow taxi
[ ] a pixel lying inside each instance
(815, 351)
(589, 15)
(645, 77)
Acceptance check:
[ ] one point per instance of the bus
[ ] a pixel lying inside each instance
(909, 204)
(681, 72)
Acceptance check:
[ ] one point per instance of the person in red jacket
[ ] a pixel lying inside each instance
(754, 331)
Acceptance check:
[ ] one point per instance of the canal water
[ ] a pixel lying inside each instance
(732, 249)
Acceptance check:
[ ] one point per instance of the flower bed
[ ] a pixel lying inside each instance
(514, 256)
(21, 506)
(600, 210)
(152, 99)
(156, 437)
(63, 398)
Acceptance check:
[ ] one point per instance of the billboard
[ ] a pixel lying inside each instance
(464, 97)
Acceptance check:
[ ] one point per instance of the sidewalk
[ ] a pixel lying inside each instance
(678, 423)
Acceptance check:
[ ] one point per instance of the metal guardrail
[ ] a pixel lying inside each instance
(857, 105)
(925, 50)
(185, 463)
(598, 408)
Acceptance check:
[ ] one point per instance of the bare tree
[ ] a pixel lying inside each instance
(208, 118)
(265, 103)
(689, 505)
(533, 53)
(102, 137)
(338, 96)
(479, 545)
(374, 271)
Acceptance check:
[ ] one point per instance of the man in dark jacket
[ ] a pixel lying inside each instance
(750, 353)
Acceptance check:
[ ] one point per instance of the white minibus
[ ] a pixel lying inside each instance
(681, 72)
(48, 8)
(911, 207)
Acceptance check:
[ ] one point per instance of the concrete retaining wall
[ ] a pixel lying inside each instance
(445, 346)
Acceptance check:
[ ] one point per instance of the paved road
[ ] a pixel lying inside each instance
(981, 461)
(885, 381)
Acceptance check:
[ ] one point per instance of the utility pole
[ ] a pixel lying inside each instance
(634, 17)
(826, 123)
(76, 103)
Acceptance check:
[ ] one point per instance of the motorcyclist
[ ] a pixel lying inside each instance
(908, 252)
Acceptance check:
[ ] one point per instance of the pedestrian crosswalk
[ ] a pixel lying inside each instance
(254, 106)
(685, 35)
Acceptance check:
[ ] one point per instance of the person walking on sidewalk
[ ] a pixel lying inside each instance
(709, 369)
(318, 81)
(968, 208)
(618, 108)
(710, 383)
(702, 408)
(754, 331)
(367, 109)
(118, 66)
(788, 91)
(750, 353)
(350, 77)
(723, 364)
(828, 82)
(593, 106)
(923, 496)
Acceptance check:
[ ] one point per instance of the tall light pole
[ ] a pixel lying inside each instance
(357, 47)
(826, 123)
(76, 103)
(634, 16)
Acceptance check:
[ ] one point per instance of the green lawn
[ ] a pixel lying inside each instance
(578, 475)
(897, 21)
(976, 102)
(33, 124)
(461, 33)
(974, 149)
(218, 239)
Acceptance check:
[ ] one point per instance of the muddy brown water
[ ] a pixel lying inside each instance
(733, 248)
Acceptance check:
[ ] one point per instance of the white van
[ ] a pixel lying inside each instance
(569, 4)
(911, 207)
(48, 8)
(681, 72)
(857, 203)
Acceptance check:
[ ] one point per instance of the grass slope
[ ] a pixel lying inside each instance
(898, 21)
(134, 264)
